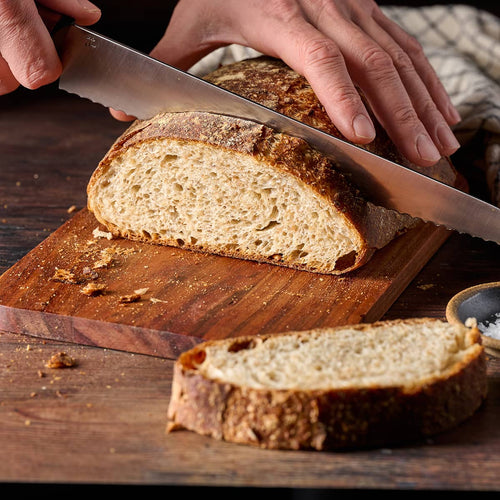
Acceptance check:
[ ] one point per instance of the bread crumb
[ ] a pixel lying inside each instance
(127, 299)
(106, 259)
(155, 300)
(141, 291)
(61, 360)
(64, 276)
(71, 209)
(93, 289)
(426, 287)
(97, 233)
(471, 323)
(90, 273)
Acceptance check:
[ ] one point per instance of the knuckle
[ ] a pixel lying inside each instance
(319, 9)
(376, 60)
(283, 9)
(413, 47)
(402, 61)
(429, 108)
(322, 53)
(405, 114)
(12, 18)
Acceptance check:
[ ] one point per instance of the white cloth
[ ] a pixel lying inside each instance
(463, 45)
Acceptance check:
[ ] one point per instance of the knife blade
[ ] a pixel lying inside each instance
(117, 76)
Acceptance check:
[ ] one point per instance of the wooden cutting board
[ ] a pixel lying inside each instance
(185, 297)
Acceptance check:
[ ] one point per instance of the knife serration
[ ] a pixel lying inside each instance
(114, 75)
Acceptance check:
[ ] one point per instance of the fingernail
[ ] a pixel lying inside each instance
(88, 6)
(363, 127)
(426, 149)
(447, 138)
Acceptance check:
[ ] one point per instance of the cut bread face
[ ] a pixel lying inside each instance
(395, 355)
(200, 197)
(330, 388)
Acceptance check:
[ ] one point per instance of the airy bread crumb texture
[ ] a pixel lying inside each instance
(396, 354)
(185, 194)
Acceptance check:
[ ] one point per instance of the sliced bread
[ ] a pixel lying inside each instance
(233, 187)
(332, 388)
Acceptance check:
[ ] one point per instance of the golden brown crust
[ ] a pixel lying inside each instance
(324, 419)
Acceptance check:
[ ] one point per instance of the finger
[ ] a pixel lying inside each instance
(49, 17)
(422, 67)
(374, 71)
(120, 115)
(7, 81)
(25, 44)
(82, 11)
(422, 100)
(321, 62)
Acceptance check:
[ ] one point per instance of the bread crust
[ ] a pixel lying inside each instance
(324, 419)
(273, 84)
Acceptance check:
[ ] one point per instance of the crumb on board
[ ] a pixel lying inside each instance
(93, 289)
(64, 276)
(154, 300)
(128, 299)
(426, 286)
(105, 261)
(133, 297)
(71, 209)
(60, 360)
(89, 273)
(97, 233)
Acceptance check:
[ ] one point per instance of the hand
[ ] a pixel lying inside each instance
(28, 56)
(335, 44)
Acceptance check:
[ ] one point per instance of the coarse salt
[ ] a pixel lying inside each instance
(491, 328)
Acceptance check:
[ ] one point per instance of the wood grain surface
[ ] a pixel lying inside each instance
(179, 297)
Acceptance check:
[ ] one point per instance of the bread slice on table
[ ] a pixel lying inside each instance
(332, 388)
(233, 187)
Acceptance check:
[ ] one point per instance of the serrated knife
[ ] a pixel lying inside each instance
(114, 75)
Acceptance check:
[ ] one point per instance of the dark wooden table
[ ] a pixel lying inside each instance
(103, 422)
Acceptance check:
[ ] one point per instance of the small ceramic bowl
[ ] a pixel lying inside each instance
(481, 302)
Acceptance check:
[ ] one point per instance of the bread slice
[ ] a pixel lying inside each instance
(233, 187)
(333, 388)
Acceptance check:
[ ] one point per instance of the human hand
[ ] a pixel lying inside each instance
(28, 55)
(335, 44)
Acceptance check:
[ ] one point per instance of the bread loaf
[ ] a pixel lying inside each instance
(233, 187)
(332, 388)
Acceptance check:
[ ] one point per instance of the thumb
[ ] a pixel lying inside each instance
(82, 11)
